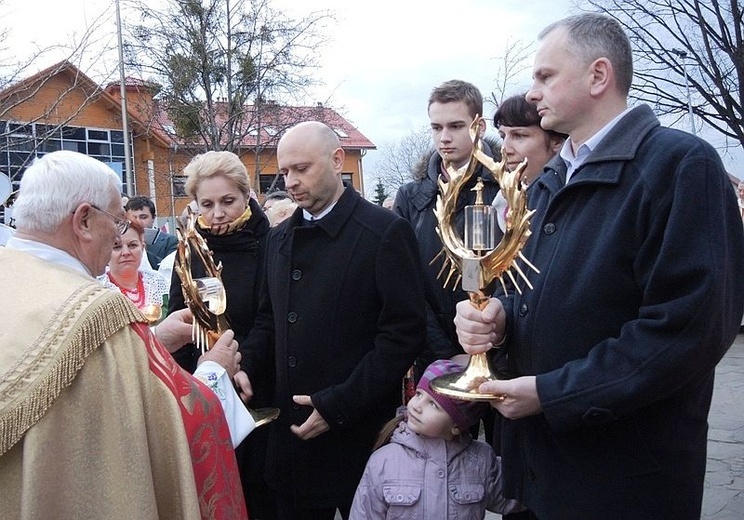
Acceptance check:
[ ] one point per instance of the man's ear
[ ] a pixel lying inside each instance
(455, 431)
(481, 126)
(82, 222)
(338, 158)
(602, 76)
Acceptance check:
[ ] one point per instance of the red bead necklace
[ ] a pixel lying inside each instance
(137, 295)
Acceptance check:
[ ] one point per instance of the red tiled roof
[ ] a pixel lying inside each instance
(270, 118)
(269, 121)
(130, 83)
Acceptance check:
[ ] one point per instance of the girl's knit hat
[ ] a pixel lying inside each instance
(463, 413)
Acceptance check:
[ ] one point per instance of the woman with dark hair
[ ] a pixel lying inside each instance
(147, 290)
(518, 124)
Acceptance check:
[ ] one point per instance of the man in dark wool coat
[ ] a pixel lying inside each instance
(340, 321)
(638, 239)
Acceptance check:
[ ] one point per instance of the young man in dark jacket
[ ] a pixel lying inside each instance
(159, 243)
(452, 108)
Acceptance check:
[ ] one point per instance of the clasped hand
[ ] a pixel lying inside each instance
(479, 331)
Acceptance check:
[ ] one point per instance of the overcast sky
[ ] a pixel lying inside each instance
(384, 56)
(388, 56)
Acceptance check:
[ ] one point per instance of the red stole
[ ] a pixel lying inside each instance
(212, 455)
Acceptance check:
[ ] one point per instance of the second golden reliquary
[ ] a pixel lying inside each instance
(476, 260)
(206, 297)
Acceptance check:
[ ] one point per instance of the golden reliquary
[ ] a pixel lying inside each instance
(206, 297)
(476, 260)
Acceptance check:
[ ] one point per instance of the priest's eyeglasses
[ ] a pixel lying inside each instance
(122, 224)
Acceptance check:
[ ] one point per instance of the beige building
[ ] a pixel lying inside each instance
(61, 108)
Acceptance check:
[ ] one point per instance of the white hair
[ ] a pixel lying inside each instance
(57, 183)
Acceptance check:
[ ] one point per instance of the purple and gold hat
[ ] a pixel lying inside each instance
(463, 413)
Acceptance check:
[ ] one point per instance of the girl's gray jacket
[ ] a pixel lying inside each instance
(415, 477)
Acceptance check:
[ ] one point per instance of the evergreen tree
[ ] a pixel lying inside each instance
(380, 193)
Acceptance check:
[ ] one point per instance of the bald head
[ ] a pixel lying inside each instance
(319, 134)
(311, 159)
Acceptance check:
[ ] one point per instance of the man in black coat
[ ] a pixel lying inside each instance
(638, 240)
(341, 318)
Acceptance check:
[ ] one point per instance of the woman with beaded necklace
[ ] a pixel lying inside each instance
(145, 289)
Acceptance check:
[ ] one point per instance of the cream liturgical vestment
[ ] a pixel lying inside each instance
(96, 420)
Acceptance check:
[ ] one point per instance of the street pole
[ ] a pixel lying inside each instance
(124, 113)
(683, 56)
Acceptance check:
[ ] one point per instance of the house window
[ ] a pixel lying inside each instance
(20, 143)
(271, 183)
(179, 185)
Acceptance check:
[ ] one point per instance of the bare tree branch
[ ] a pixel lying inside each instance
(704, 36)
(512, 63)
(212, 58)
(22, 137)
(399, 158)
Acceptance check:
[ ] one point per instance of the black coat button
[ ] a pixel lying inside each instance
(296, 275)
(549, 228)
(524, 309)
(292, 317)
(292, 361)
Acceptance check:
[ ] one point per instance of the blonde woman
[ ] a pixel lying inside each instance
(235, 229)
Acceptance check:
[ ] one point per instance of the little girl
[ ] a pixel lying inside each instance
(429, 466)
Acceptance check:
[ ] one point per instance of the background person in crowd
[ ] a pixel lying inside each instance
(518, 124)
(278, 206)
(639, 243)
(144, 289)
(235, 230)
(340, 321)
(452, 107)
(84, 383)
(159, 244)
(522, 137)
(280, 211)
(6, 191)
(428, 465)
(166, 265)
(273, 197)
(5, 233)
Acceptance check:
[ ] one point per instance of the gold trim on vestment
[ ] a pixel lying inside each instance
(90, 315)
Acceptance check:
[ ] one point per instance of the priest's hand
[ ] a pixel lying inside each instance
(175, 330)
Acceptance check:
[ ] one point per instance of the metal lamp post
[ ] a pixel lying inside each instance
(683, 56)
(129, 178)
